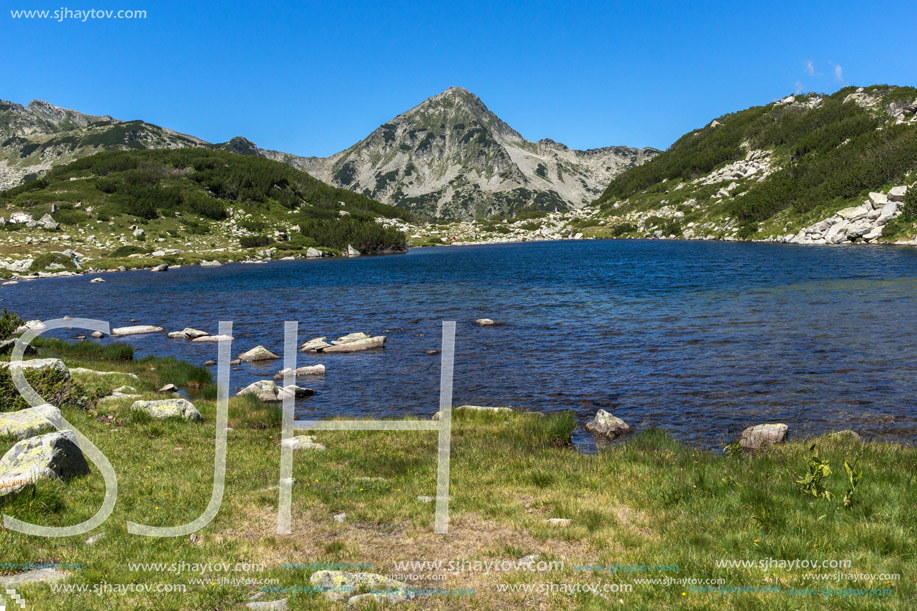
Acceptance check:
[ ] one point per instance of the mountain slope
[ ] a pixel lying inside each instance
(451, 157)
(770, 172)
(185, 205)
(40, 136)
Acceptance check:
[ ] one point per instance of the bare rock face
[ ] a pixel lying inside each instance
(763, 435)
(608, 426)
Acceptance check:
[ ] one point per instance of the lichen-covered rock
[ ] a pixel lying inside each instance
(41, 365)
(340, 585)
(608, 425)
(49, 456)
(29, 422)
(256, 388)
(169, 408)
(763, 435)
(258, 353)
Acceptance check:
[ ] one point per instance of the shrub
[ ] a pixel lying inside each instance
(52, 260)
(127, 250)
(51, 385)
(254, 241)
(9, 322)
(909, 207)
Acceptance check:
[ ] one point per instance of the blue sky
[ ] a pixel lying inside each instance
(312, 78)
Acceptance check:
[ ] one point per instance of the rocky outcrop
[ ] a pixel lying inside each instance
(29, 422)
(608, 426)
(762, 436)
(49, 456)
(863, 223)
(169, 408)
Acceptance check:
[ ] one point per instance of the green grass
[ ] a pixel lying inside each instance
(649, 500)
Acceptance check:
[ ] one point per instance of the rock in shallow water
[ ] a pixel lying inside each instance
(608, 425)
(258, 353)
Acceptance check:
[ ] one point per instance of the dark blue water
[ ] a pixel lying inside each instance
(701, 338)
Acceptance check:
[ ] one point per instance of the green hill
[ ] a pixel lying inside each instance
(771, 170)
(196, 202)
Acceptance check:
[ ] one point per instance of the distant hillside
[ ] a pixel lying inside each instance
(451, 157)
(769, 171)
(195, 200)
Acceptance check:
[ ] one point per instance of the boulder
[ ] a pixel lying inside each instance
(169, 408)
(878, 200)
(485, 322)
(49, 456)
(41, 365)
(837, 233)
(135, 330)
(608, 425)
(97, 281)
(351, 251)
(97, 334)
(889, 211)
(37, 325)
(896, 194)
(301, 372)
(258, 353)
(338, 585)
(356, 345)
(29, 422)
(762, 435)
(259, 387)
(169, 388)
(160, 268)
(298, 392)
(853, 213)
(314, 345)
(213, 338)
(269, 392)
(188, 333)
(21, 218)
(48, 222)
(313, 253)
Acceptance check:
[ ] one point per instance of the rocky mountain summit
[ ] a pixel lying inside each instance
(452, 158)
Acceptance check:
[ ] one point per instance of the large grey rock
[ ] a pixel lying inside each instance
(48, 222)
(313, 253)
(853, 213)
(608, 425)
(309, 371)
(889, 211)
(169, 408)
(29, 422)
(41, 365)
(49, 456)
(135, 330)
(37, 325)
(763, 435)
(896, 194)
(340, 585)
(258, 353)
(351, 251)
(878, 200)
(160, 268)
(188, 333)
(837, 234)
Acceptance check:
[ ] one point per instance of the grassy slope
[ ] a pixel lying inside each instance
(183, 198)
(647, 501)
(828, 156)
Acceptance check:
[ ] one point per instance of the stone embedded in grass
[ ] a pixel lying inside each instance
(339, 517)
(301, 372)
(49, 456)
(302, 442)
(29, 422)
(339, 585)
(258, 353)
(169, 388)
(268, 605)
(32, 577)
(558, 522)
(608, 425)
(82, 371)
(476, 408)
(169, 408)
(135, 330)
(122, 392)
(41, 365)
(762, 436)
